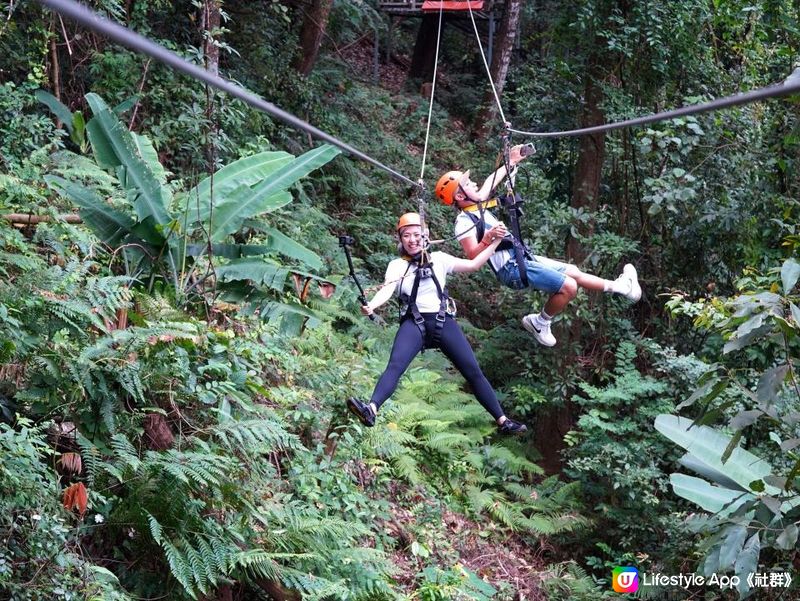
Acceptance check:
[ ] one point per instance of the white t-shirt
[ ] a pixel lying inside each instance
(464, 228)
(427, 295)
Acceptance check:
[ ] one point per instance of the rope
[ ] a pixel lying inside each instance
(139, 43)
(433, 91)
(486, 64)
(786, 88)
(420, 191)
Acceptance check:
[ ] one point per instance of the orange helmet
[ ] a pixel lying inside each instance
(409, 219)
(447, 185)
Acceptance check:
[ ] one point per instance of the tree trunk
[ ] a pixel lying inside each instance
(553, 425)
(210, 23)
(501, 58)
(424, 58)
(55, 67)
(315, 23)
(591, 154)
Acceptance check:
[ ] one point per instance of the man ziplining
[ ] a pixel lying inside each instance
(512, 263)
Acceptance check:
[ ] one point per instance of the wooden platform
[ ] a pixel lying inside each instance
(414, 8)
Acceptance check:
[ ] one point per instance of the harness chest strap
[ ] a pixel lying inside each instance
(413, 310)
(521, 253)
(480, 206)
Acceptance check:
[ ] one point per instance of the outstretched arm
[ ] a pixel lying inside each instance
(474, 264)
(491, 182)
(380, 298)
(472, 247)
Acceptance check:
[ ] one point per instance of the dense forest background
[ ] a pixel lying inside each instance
(178, 332)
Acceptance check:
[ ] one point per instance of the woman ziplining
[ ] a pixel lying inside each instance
(427, 319)
(513, 264)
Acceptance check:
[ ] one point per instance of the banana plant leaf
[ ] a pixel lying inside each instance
(280, 242)
(248, 202)
(146, 150)
(248, 171)
(231, 217)
(715, 499)
(114, 147)
(691, 462)
(276, 242)
(58, 108)
(259, 271)
(708, 445)
(111, 225)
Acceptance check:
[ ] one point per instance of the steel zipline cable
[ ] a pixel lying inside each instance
(786, 88)
(139, 43)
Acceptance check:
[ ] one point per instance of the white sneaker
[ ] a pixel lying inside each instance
(540, 329)
(634, 292)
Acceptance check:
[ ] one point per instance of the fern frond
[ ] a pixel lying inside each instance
(446, 442)
(156, 307)
(178, 565)
(510, 461)
(211, 558)
(313, 587)
(481, 499)
(549, 525)
(107, 295)
(200, 569)
(155, 527)
(407, 468)
(257, 562)
(125, 452)
(92, 461)
(74, 313)
(188, 467)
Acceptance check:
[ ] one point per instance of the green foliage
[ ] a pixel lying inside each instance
(22, 131)
(753, 502)
(153, 241)
(617, 458)
(74, 122)
(270, 479)
(41, 557)
(458, 584)
(570, 582)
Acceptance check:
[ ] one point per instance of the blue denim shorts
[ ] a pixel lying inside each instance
(543, 274)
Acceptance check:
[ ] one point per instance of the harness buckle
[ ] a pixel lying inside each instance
(441, 317)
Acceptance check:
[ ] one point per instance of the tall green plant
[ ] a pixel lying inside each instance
(755, 503)
(175, 239)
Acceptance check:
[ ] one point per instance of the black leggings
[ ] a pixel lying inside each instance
(408, 342)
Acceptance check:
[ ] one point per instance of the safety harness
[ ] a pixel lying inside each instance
(409, 301)
(521, 252)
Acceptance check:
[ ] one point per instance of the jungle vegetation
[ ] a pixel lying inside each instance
(178, 330)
